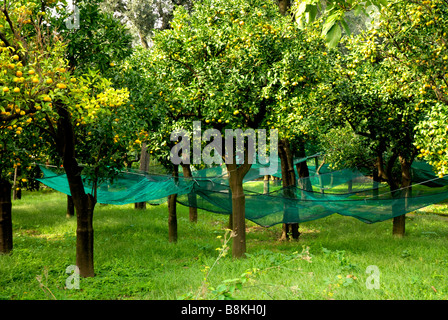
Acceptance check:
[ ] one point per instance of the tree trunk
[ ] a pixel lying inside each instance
(84, 203)
(5, 217)
(266, 184)
(144, 166)
(143, 40)
(318, 167)
(172, 211)
(294, 227)
(16, 191)
(302, 170)
(288, 181)
(236, 176)
(70, 207)
(172, 218)
(399, 222)
(238, 214)
(376, 182)
(230, 224)
(192, 203)
(284, 6)
(84, 235)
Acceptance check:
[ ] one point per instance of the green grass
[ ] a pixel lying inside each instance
(134, 260)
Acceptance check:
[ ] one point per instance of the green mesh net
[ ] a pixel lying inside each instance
(346, 192)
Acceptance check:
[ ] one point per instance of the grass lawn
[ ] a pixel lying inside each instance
(134, 260)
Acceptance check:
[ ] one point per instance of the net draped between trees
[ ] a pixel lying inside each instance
(347, 192)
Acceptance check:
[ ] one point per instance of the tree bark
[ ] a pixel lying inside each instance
(172, 211)
(144, 166)
(399, 222)
(143, 40)
(16, 191)
(6, 242)
(238, 214)
(375, 184)
(84, 235)
(192, 203)
(172, 218)
(230, 224)
(70, 207)
(318, 167)
(236, 176)
(84, 203)
(303, 171)
(288, 181)
(266, 184)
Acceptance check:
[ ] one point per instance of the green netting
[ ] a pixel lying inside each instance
(127, 187)
(346, 192)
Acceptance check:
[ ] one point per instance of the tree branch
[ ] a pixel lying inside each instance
(186, 65)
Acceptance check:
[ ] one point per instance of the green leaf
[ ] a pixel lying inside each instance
(301, 9)
(346, 27)
(312, 12)
(333, 36)
(329, 23)
(327, 26)
(221, 288)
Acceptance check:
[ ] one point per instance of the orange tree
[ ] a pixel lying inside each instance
(378, 100)
(74, 115)
(224, 65)
(156, 119)
(298, 74)
(333, 15)
(415, 34)
(100, 42)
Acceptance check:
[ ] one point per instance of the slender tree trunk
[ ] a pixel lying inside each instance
(230, 223)
(70, 207)
(399, 222)
(238, 214)
(350, 186)
(294, 227)
(399, 226)
(288, 181)
(303, 171)
(266, 184)
(85, 235)
(144, 166)
(318, 167)
(284, 171)
(172, 218)
(192, 203)
(172, 211)
(236, 176)
(143, 40)
(376, 182)
(16, 191)
(84, 203)
(5, 217)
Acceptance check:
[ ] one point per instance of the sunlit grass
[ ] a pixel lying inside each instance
(134, 260)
